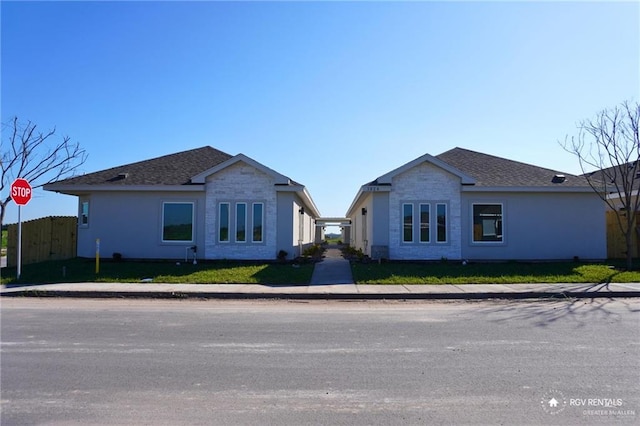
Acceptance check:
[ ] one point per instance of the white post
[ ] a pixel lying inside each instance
(19, 257)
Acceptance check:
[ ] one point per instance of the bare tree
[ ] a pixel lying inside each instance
(609, 146)
(39, 157)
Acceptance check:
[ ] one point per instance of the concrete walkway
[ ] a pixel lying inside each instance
(333, 269)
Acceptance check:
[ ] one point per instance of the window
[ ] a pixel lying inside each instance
(177, 222)
(223, 223)
(241, 222)
(417, 221)
(84, 214)
(441, 212)
(258, 219)
(424, 223)
(407, 212)
(487, 222)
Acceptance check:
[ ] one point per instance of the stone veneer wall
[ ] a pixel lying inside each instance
(240, 183)
(425, 183)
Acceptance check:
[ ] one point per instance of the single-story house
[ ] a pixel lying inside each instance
(200, 203)
(463, 204)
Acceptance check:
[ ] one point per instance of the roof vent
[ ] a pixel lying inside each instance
(558, 178)
(119, 176)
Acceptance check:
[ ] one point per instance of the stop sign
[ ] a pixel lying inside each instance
(21, 191)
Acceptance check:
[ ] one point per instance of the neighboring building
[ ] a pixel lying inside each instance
(618, 182)
(467, 205)
(621, 184)
(200, 202)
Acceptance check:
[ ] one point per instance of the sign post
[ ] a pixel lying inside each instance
(21, 194)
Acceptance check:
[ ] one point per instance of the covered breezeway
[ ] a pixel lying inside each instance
(343, 222)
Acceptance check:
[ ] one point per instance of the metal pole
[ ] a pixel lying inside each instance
(97, 256)
(19, 241)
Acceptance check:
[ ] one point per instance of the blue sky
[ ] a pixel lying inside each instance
(331, 94)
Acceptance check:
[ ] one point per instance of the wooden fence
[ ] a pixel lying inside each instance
(616, 245)
(48, 238)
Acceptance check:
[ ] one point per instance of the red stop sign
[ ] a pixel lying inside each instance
(21, 191)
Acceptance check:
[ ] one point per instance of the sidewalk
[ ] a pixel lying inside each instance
(325, 292)
(331, 279)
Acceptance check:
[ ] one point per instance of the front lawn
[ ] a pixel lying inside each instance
(232, 272)
(489, 273)
(222, 272)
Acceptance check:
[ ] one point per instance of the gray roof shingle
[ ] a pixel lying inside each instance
(172, 169)
(491, 171)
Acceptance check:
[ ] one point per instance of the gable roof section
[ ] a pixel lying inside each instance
(496, 172)
(172, 169)
(387, 178)
(279, 179)
(484, 172)
(282, 182)
(182, 171)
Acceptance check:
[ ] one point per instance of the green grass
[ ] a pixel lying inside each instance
(218, 272)
(488, 273)
(222, 272)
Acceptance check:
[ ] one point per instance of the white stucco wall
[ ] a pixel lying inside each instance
(240, 183)
(425, 183)
(362, 225)
(303, 227)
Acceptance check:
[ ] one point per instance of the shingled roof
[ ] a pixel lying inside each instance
(491, 171)
(618, 177)
(173, 169)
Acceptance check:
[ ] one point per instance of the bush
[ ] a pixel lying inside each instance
(315, 250)
(352, 253)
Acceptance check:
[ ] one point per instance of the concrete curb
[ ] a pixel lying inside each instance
(102, 294)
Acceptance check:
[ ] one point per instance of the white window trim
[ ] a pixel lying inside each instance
(232, 206)
(429, 241)
(502, 215)
(228, 240)
(246, 214)
(81, 214)
(253, 221)
(193, 223)
(433, 222)
(446, 224)
(413, 219)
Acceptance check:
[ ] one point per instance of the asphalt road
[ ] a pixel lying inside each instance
(67, 361)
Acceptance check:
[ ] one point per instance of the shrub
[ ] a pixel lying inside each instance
(315, 250)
